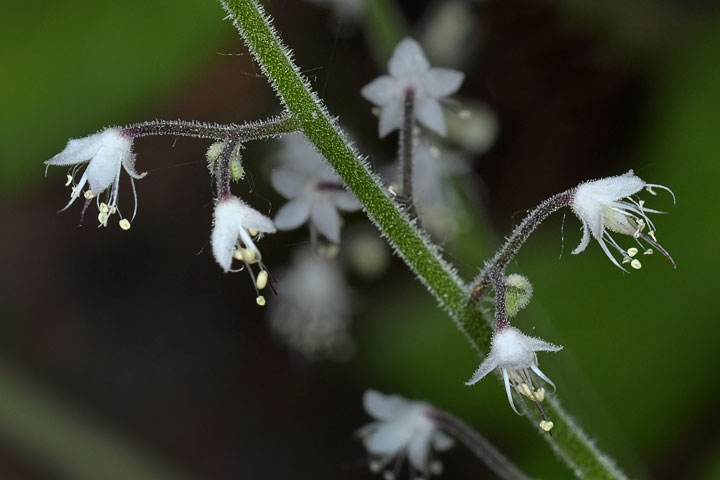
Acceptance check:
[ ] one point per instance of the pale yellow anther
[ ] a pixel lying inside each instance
(524, 389)
(124, 224)
(104, 208)
(248, 255)
(103, 218)
(262, 280)
(649, 251)
(641, 203)
(260, 300)
(626, 260)
(69, 180)
(392, 191)
(540, 394)
(89, 194)
(253, 233)
(375, 466)
(464, 114)
(237, 255)
(636, 264)
(436, 467)
(546, 425)
(632, 251)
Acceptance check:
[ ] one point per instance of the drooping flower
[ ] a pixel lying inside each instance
(410, 73)
(609, 205)
(513, 353)
(314, 190)
(402, 428)
(106, 153)
(234, 226)
(312, 314)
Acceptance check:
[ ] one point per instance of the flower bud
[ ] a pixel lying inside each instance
(518, 293)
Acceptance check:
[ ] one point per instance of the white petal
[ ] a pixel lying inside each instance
(383, 407)
(430, 114)
(293, 214)
(585, 240)
(287, 182)
(346, 201)
(224, 235)
(441, 82)
(441, 441)
(387, 439)
(391, 117)
(77, 150)
(380, 91)
(129, 165)
(254, 220)
(419, 449)
(104, 168)
(487, 366)
(539, 345)
(326, 219)
(408, 60)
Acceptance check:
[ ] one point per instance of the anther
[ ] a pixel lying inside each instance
(632, 251)
(237, 255)
(89, 194)
(104, 208)
(262, 280)
(464, 114)
(436, 467)
(69, 180)
(650, 190)
(649, 251)
(248, 255)
(540, 394)
(636, 264)
(103, 218)
(375, 466)
(253, 233)
(260, 300)
(124, 224)
(652, 235)
(546, 425)
(524, 389)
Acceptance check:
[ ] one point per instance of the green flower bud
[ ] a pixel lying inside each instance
(518, 293)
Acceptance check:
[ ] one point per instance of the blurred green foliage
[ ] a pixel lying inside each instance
(89, 64)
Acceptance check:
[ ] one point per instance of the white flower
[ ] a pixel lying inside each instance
(315, 191)
(234, 226)
(513, 353)
(106, 153)
(402, 428)
(607, 205)
(410, 73)
(312, 313)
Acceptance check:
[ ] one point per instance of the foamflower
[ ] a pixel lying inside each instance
(410, 74)
(402, 428)
(513, 353)
(106, 153)
(315, 191)
(234, 226)
(609, 205)
(313, 313)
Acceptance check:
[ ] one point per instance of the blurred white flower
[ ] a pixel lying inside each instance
(410, 74)
(106, 153)
(312, 311)
(234, 226)
(315, 191)
(402, 428)
(607, 205)
(513, 353)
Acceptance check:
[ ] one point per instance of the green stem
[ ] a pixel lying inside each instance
(441, 279)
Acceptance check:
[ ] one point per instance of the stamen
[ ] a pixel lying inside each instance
(546, 425)
(650, 190)
(260, 300)
(253, 233)
(436, 467)
(124, 224)
(540, 394)
(649, 251)
(262, 280)
(89, 194)
(69, 180)
(103, 218)
(632, 251)
(636, 264)
(375, 466)
(525, 390)
(652, 235)
(248, 255)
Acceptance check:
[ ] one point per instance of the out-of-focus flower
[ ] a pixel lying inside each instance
(312, 312)
(608, 205)
(316, 193)
(235, 224)
(106, 154)
(402, 428)
(410, 74)
(513, 353)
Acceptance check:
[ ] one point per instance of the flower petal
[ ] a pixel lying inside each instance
(128, 163)
(388, 439)
(419, 450)
(408, 60)
(293, 214)
(77, 150)
(441, 82)
(430, 114)
(104, 168)
(380, 91)
(539, 345)
(326, 219)
(384, 407)
(346, 201)
(287, 182)
(585, 240)
(224, 234)
(390, 118)
(442, 442)
(487, 366)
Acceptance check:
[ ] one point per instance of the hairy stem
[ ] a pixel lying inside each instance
(405, 152)
(410, 243)
(478, 445)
